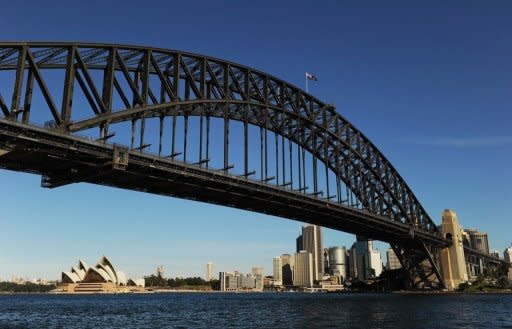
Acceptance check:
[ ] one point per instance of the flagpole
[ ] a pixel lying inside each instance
(306, 82)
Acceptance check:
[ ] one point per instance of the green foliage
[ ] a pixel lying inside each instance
(155, 281)
(215, 284)
(180, 282)
(503, 282)
(463, 286)
(26, 287)
(159, 281)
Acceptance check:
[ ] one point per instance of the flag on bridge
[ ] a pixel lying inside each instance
(311, 76)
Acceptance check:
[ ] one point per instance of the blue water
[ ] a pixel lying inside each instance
(265, 310)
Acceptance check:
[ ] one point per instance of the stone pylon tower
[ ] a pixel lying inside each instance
(453, 264)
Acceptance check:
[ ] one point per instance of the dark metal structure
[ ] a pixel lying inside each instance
(163, 121)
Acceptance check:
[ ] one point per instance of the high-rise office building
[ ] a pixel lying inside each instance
(303, 270)
(209, 271)
(277, 271)
(478, 240)
(338, 261)
(326, 260)
(368, 262)
(375, 264)
(312, 242)
(298, 244)
(257, 272)
(287, 269)
(507, 254)
(393, 261)
(352, 262)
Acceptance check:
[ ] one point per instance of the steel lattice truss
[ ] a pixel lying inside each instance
(161, 83)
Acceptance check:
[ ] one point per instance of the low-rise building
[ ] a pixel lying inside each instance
(478, 240)
(236, 281)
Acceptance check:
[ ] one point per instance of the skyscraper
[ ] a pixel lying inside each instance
(298, 244)
(375, 263)
(303, 271)
(393, 261)
(287, 269)
(368, 262)
(352, 262)
(209, 271)
(338, 261)
(277, 271)
(312, 242)
(257, 272)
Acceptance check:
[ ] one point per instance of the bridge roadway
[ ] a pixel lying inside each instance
(64, 159)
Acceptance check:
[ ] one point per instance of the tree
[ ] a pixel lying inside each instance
(503, 282)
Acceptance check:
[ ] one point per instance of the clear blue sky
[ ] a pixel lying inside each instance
(429, 82)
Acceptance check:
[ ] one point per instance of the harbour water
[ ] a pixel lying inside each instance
(256, 310)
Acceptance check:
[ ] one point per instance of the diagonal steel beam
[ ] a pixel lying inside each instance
(44, 89)
(90, 82)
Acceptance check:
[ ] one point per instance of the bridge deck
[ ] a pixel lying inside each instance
(64, 159)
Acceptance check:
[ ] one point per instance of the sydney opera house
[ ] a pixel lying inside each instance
(101, 278)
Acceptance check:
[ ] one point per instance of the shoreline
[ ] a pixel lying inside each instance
(187, 291)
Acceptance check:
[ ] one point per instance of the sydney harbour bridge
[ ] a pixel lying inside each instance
(197, 127)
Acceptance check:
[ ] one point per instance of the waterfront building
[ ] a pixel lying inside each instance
(104, 271)
(287, 269)
(478, 240)
(277, 271)
(228, 281)
(333, 283)
(100, 278)
(507, 254)
(136, 282)
(312, 242)
(236, 281)
(303, 270)
(393, 261)
(209, 271)
(337, 262)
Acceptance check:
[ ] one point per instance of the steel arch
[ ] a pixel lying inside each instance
(191, 84)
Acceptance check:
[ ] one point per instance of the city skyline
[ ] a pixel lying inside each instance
(430, 97)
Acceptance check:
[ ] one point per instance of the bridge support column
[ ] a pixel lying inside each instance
(453, 264)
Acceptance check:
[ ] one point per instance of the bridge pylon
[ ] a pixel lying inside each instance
(453, 264)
